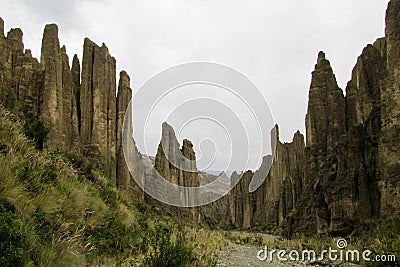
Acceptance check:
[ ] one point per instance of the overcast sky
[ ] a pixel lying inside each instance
(274, 43)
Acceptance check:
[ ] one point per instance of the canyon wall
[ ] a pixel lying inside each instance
(348, 170)
(80, 105)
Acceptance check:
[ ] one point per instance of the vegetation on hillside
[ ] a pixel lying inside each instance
(59, 209)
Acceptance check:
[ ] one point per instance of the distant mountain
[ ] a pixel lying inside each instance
(226, 173)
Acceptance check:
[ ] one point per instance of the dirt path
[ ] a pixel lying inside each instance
(246, 255)
(242, 255)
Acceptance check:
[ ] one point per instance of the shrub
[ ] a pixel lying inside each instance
(36, 130)
(167, 253)
(115, 239)
(12, 251)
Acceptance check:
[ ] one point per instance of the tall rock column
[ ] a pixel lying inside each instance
(52, 109)
(59, 106)
(363, 119)
(278, 195)
(123, 99)
(98, 106)
(389, 150)
(167, 161)
(70, 104)
(75, 103)
(325, 119)
(189, 176)
(241, 202)
(326, 132)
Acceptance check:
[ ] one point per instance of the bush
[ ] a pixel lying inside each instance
(12, 251)
(36, 130)
(167, 253)
(115, 239)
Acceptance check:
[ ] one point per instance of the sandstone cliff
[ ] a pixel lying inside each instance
(98, 105)
(389, 149)
(349, 169)
(241, 202)
(21, 76)
(178, 165)
(277, 196)
(79, 106)
(353, 163)
(59, 106)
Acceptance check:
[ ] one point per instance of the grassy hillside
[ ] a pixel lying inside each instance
(59, 209)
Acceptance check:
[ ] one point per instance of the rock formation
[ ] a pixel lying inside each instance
(277, 196)
(58, 99)
(326, 142)
(123, 99)
(178, 166)
(349, 170)
(356, 176)
(21, 76)
(389, 149)
(241, 202)
(80, 107)
(168, 155)
(98, 105)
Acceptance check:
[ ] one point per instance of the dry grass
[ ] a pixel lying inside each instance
(67, 219)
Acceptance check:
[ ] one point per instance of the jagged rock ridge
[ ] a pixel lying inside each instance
(278, 195)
